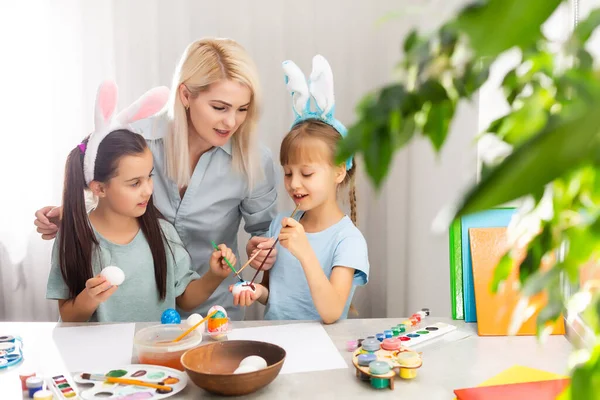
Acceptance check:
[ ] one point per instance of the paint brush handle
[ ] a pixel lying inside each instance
(184, 334)
(271, 249)
(137, 383)
(248, 262)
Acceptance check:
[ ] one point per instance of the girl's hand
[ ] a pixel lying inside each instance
(98, 289)
(247, 297)
(217, 262)
(293, 238)
(47, 221)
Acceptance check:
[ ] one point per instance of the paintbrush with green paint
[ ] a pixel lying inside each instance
(226, 260)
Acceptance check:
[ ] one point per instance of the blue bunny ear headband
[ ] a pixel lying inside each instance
(318, 90)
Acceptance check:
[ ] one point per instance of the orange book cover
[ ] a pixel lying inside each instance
(542, 390)
(494, 311)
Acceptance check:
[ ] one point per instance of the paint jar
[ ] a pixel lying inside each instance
(351, 345)
(33, 384)
(43, 395)
(387, 333)
(371, 345)
(409, 361)
(380, 337)
(23, 377)
(154, 345)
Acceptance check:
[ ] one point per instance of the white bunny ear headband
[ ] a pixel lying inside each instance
(105, 121)
(320, 89)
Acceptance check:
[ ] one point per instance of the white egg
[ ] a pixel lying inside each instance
(242, 369)
(114, 275)
(241, 287)
(193, 320)
(254, 361)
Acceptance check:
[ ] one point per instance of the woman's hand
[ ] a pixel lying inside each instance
(262, 244)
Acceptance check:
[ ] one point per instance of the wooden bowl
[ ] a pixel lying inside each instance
(211, 366)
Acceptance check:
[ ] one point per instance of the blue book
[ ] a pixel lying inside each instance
(495, 218)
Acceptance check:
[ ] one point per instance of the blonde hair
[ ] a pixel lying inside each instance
(203, 63)
(296, 149)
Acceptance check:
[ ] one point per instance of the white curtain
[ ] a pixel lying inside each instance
(56, 52)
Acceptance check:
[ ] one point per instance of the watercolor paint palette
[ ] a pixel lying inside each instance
(417, 337)
(11, 351)
(152, 374)
(62, 387)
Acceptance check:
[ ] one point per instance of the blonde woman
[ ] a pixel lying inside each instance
(209, 170)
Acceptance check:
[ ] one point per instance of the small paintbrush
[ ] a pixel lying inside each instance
(251, 284)
(124, 381)
(227, 261)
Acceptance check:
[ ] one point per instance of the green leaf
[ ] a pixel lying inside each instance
(562, 146)
(356, 140)
(501, 272)
(585, 28)
(432, 91)
(523, 124)
(585, 381)
(410, 40)
(553, 309)
(498, 25)
(541, 280)
(475, 75)
(378, 156)
(402, 130)
(448, 40)
(438, 123)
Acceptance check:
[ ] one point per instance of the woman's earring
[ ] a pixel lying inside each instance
(187, 107)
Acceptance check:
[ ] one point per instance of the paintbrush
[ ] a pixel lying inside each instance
(270, 250)
(248, 262)
(184, 334)
(123, 381)
(227, 261)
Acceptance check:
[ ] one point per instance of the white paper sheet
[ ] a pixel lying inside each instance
(95, 348)
(308, 346)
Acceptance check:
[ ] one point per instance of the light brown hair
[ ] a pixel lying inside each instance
(297, 147)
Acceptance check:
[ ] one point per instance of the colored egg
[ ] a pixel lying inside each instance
(114, 275)
(170, 316)
(240, 287)
(221, 312)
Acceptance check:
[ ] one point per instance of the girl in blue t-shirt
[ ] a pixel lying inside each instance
(322, 256)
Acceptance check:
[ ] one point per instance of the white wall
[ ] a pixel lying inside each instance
(138, 42)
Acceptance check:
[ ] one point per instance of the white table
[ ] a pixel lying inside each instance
(446, 365)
